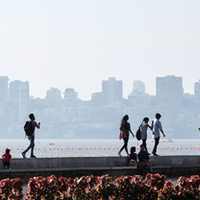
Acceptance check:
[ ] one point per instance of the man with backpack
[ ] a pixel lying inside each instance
(30, 133)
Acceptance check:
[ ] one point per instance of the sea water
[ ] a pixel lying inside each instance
(96, 147)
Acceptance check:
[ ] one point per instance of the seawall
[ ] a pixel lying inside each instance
(172, 166)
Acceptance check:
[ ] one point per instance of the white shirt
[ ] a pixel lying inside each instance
(157, 127)
(143, 130)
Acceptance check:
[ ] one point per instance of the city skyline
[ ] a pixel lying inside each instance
(62, 92)
(79, 43)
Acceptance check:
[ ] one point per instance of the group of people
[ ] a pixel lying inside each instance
(155, 127)
(7, 157)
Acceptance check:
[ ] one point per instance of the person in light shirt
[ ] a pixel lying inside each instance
(157, 128)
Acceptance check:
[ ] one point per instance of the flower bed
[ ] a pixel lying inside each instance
(105, 187)
(11, 189)
(151, 187)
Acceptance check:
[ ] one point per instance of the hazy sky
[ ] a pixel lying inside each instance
(79, 43)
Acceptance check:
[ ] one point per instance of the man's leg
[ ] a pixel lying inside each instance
(155, 145)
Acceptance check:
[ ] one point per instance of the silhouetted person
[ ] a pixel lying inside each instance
(157, 128)
(125, 125)
(32, 137)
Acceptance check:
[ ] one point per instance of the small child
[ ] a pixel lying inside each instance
(133, 157)
(6, 159)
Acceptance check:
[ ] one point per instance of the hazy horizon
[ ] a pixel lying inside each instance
(78, 44)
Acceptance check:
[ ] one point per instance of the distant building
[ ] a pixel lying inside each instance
(70, 97)
(53, 96)
(169, 87)
(4, 89)
(197, 90)
(112, 91)
(138, 87)
(19, 97)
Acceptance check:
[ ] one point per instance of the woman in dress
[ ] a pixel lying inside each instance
(125, 125)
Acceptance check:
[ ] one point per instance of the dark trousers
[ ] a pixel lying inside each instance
(156, 144)
(6, 165)
(31, 146)
(144, 143)
(125, 144)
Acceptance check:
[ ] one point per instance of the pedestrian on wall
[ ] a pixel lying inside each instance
(143, 131)
(6, 159)
(157, 128)
(32, 136)
(125, 125)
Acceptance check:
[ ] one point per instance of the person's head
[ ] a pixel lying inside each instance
(7, 150)
(158, 115)
(125, 118)
(133, 149)
(31, 116)
(146, 120)
(142, 148)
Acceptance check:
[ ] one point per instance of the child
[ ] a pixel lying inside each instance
(6, 159)
(133, 157)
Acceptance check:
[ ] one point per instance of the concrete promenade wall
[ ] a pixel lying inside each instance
(79, 166)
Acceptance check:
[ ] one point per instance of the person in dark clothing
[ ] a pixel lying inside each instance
(144, 163)
(32, 137)
(133, 157)
(125, 125)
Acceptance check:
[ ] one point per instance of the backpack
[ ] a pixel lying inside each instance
(28, 128)
(138, 134)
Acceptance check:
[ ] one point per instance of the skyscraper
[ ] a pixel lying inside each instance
(112, 91)
(169, 87)
(19, 97)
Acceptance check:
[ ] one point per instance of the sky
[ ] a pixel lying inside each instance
(79, 43)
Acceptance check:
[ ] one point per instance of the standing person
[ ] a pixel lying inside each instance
(157, 128)
(6, 159)
(125, 125)
(143, 130)
(32, 137)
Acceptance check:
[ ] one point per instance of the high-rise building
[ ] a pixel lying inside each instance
(169, 87)
(19, 97)
(4, 89)
(112, 91)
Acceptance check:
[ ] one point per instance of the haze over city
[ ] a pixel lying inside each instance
(78, 44)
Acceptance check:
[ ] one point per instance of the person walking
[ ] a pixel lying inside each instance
(125, 125)
(6, 159)
(143, 131)
(157, 128)
(32, 137)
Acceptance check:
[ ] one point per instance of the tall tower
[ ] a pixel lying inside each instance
(112, 91)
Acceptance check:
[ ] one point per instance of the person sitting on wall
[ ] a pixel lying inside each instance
(133, 157)
(144, 163)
